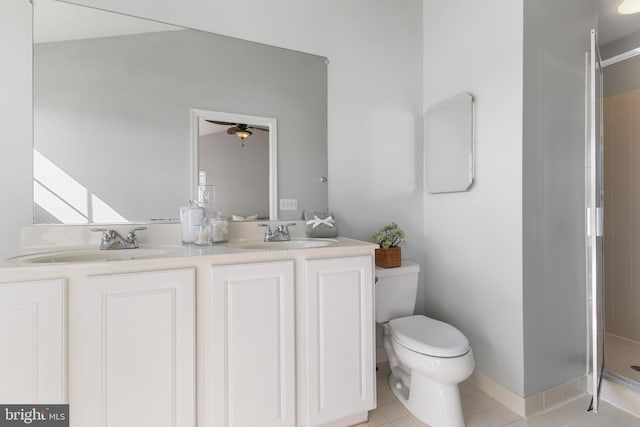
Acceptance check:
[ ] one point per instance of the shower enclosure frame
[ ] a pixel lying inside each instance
(595, 217)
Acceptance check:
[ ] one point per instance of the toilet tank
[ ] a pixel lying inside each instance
(396, 290)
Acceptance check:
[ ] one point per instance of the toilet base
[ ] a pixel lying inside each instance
(438, 405)
(428, 386)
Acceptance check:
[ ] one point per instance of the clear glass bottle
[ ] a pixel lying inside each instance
(203, 234)
(191, 217)
(219, 228)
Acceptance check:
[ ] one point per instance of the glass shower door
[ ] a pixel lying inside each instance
(595, 217)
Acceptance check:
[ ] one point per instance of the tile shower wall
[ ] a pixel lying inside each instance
(622, 213)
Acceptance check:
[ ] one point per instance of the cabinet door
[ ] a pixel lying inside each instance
(249, 361)
(141, 351)
(340, 343)
(33, 342)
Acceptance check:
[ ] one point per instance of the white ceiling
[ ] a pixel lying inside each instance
(612, 25)
(58, 21)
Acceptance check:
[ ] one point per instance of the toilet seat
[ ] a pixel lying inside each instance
(429, 336)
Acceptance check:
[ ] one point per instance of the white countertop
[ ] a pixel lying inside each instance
(164, 239)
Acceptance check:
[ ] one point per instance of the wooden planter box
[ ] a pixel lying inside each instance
(391, 257)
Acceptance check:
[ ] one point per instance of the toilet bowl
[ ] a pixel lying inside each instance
(428, 358)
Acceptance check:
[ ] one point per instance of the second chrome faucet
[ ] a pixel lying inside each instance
(281, 233)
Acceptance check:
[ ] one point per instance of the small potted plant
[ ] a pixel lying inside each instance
(389, 238)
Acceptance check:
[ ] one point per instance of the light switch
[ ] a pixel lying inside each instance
(289, 204)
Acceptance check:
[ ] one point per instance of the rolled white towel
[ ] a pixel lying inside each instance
(242, 218)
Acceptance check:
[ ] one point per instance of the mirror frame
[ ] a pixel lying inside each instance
(271, 123)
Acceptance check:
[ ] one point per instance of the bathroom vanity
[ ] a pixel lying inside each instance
(240, 334)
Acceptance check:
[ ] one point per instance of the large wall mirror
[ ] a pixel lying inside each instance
(114, 98)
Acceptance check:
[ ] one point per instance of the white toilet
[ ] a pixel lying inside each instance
(428, 358)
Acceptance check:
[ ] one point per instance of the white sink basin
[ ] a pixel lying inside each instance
(92, 255)
(292, 244)
(85, 254)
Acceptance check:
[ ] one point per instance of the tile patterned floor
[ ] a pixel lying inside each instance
(482, 411)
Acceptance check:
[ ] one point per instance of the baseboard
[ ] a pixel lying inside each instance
(536, 403)
(496, 391)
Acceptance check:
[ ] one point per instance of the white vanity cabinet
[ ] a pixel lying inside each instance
(33, 342)
(138, 367)
(337, 329)
(248, 366)
(287, 343)
(275, 338)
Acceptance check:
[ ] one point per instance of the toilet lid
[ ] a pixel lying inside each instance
(428, 336)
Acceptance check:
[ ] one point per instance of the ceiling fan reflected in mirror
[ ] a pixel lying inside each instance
(240, 130)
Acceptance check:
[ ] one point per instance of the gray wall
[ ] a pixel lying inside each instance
(556, 37)
(621, 77)
(624, 75)
(15, 120)
(240, 175)
(123, 102)
(621, 45)
(505, 261)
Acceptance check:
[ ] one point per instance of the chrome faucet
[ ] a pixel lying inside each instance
(281, 234)
(111, 239)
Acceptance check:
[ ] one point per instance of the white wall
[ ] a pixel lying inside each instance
(471, 249)
(375, 125)
(473, 240)
(375, 101)
(15, 122)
